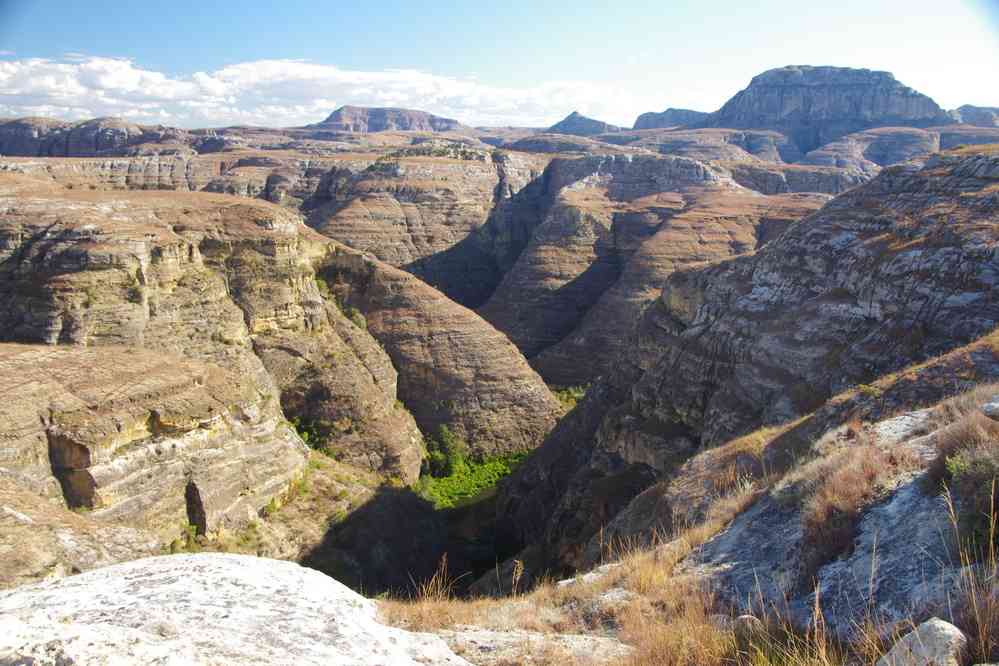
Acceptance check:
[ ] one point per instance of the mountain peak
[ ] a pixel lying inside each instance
(580, 125)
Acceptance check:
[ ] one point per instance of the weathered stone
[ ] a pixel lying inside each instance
(203, 609)
(140, 438)
(816, 105)
(932, 643)
(39, 539)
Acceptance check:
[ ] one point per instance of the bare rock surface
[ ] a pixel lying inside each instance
(203, 609)
(980, 116)
(816, 105)
(142, 438)
(891, 273)
(40, 539)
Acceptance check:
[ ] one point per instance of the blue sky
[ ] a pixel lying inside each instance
(517, 62)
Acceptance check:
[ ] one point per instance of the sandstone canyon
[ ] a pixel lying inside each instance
(658, 351)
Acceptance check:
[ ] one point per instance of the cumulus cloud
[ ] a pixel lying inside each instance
(287, 93)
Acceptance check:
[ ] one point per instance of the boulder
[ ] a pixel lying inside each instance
(933, 643)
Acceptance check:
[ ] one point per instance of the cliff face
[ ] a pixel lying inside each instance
(669, 118)
(889, 273)
(145, 439)
(615, 227)
(43, 137)
(365, 119)
(816, 105)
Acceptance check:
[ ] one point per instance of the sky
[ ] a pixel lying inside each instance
(520, 62)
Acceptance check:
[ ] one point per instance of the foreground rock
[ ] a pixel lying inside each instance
(203, 609)
(933, 643)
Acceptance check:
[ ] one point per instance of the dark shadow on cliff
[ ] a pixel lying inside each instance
(396, 540)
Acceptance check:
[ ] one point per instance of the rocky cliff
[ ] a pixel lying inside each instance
(816, 105)
(613, 229)
(43, 137)
(234, 282)
(366, 119)
(669, 118)
(887, 274)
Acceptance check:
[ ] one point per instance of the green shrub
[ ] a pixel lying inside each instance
(468, 480)
(569, 395)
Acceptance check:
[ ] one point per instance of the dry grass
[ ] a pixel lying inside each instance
(844, 485)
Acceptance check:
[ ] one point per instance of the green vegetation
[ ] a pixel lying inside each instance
(451, 478)
(316, 432)
(356, 317)
(569, 395)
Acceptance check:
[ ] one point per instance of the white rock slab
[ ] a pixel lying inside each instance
(207, 609)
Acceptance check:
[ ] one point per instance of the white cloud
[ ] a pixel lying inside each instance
(288, 93)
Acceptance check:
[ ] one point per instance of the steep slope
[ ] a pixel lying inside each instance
(578, 124)
(816, 105)
(367, 119)
(614, 229)
(233, 282)
(669, 118)
(891, 272)
(144, 439)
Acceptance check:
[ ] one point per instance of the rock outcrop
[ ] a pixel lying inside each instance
(614, 229)
(889, 273)
(578, 124)
(211, 278)
(143, 438)
(816, 105)
(204, 609)
(932, 643)
(44, 137)
(980, 116)
(483, 389)
(669, 118)
(40, 539)
(363, 119)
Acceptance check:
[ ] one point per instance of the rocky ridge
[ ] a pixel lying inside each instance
(886, 274)
(669, 118)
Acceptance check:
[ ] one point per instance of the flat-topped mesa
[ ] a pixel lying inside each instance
(578, 124)
(816, 105)
(669, 118)
(45, 137)
(363, 119)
